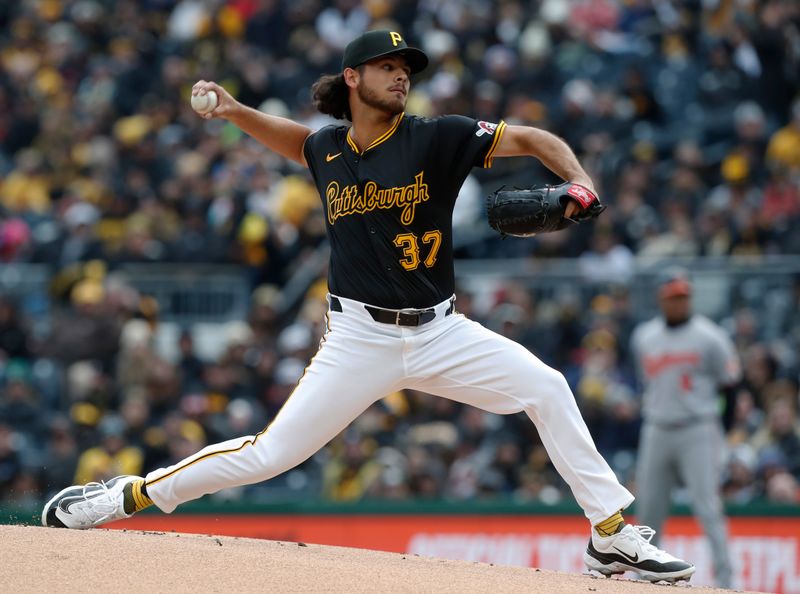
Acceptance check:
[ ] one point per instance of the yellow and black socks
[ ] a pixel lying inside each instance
(135, 497)
(611, 525)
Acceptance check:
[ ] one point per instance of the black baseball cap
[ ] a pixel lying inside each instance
(376, 44)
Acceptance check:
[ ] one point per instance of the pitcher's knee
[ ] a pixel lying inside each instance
(547, 386)
(552, 383)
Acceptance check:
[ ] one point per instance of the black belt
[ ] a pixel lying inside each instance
(414, 317)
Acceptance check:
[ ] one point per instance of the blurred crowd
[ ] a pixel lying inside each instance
(685, 113)
(98, 397)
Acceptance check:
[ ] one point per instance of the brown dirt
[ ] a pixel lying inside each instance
(36, 559)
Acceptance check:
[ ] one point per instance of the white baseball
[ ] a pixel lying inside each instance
(202, 104)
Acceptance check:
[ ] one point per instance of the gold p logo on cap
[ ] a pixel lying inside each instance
(395, 38)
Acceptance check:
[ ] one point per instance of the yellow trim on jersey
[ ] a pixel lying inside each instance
(352, 144)
(257, 435)
(385, 136)
(487, 160)
(382, 138)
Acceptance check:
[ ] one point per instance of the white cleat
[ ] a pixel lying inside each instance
(630, 550)
(86, 506)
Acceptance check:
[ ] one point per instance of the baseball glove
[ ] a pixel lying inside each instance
(525, 212)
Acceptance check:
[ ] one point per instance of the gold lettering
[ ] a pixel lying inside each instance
(359, 202)
(385, 198)
(395, 38)
(421, 186)
(370, 191)
(347, 200)
(406, 199)
(331, 194)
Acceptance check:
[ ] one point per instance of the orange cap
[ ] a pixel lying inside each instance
(677, 287)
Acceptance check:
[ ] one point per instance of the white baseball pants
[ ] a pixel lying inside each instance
(360, 361)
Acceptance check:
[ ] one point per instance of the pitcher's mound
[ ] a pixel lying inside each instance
(35, 559)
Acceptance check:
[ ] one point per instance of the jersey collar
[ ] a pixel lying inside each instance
(382, 138)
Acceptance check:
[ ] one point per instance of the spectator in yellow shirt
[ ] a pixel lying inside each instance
(784, 146)
(26, 189)
(112, 457)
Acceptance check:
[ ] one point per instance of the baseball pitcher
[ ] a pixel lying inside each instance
(388, 183)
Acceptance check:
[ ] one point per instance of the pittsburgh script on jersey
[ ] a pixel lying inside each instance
(348, 200)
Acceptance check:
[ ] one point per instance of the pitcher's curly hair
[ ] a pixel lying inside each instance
(331, 95)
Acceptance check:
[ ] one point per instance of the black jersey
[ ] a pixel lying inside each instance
(389, 208)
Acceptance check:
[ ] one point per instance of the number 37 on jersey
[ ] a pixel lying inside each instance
(412, 252)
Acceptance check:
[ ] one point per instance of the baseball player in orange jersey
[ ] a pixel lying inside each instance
(388, 184)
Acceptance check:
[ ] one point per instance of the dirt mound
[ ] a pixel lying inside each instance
(35, 559)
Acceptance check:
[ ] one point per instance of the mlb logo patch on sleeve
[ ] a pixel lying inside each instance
(485, 128)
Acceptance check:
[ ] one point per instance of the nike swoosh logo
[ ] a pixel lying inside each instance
(632, 559)
(64, 504)
(329, 157)
(82, 493)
